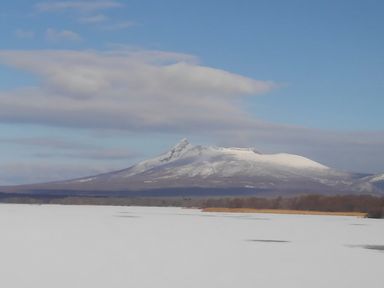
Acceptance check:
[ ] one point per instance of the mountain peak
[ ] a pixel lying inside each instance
(195, 166)
(181, 144)
(177, 150)
(189, 161)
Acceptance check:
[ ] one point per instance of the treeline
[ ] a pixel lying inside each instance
(372, 205)
(96, 200)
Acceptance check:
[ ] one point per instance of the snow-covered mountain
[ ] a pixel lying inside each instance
(233, 170)
(190, 161)
(379, 178)
(373, 184)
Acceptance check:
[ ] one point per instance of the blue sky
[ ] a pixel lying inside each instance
(90, 86)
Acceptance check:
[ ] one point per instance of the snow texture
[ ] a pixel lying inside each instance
(377, 178)
(98, 247)
(189, 160)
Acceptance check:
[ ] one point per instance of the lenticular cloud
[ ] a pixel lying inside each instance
(126, 90)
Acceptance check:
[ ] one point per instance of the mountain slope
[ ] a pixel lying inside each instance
(188, 166)
(372, 184)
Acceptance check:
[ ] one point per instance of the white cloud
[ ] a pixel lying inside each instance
(133, 90)
(63, 148)
(99, 18)
(61, 35)
(24, 34)
(56, 158)
(146, 91)
(77, 5)
(46, 142)
(38, 172)
(108, 154)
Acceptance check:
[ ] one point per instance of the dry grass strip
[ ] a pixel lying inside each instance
(282, 211)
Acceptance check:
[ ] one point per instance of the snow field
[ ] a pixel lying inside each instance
(99, 246)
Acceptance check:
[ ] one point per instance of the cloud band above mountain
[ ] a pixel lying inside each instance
(145, 91)
(129, 90)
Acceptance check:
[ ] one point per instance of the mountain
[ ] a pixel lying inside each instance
(377, 179)
(373, 184)
(188, 169)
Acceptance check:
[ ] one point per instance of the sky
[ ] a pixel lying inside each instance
(92, 86)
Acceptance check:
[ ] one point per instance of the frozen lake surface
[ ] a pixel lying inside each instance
(99, 246)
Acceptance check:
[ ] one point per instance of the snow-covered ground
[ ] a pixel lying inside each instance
(108, 247)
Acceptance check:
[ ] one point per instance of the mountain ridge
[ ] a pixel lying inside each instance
(187, 166)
